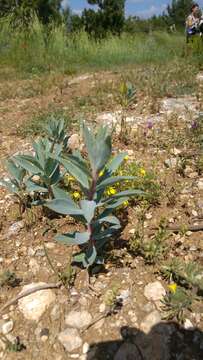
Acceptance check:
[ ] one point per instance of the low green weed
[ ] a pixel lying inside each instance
(188, 274)
(127, 96)
(175, 304)
(153, 249)
(143, 179)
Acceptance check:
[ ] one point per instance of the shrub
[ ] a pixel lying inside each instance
(95, 178)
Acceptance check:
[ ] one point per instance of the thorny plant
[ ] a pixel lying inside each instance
(99, 199)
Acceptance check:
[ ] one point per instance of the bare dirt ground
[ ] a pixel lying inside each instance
(136, 330)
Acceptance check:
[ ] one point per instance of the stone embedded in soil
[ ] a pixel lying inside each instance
(123, 296)
(2, 345)
(70, 339)
(14, 229)
(154, 291)
(148, 307)
(44, 334)
(55, 313)
(85, 348)
(127, 351)
(78, 319)
(188, 325)
(74, 142)
(200, 184)
(150, 320)
(33, 306)
(7, 327)
(34, 266)
(171, 163)
(179, 105)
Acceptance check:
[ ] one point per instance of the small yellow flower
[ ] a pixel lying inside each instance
(76, 195)
(101, 173)
(70, 178)
(111, 191)
(142, 172)
(173, 287)
(126, 158)
(126, 203)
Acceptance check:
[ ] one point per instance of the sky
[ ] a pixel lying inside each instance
(142, 8)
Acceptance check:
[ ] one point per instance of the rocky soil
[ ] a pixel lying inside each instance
(73, 322)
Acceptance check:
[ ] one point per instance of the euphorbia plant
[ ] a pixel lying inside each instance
(95, 176)
(44, 164)
(16, 184)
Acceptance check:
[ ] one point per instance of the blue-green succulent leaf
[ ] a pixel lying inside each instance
(112, 180)
(64, 207)
(88, 208)
(75, 238)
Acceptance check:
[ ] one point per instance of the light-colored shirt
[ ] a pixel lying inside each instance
(192, 21)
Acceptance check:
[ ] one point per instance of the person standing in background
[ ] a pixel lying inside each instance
(193, 21)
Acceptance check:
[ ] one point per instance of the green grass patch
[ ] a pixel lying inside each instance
(40, 51)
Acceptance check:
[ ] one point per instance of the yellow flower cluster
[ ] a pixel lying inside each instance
(173, 287)
(142, 172)
(76, 195)
(70, 178)
(111, 191)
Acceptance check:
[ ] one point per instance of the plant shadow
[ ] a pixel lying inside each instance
(165, 341)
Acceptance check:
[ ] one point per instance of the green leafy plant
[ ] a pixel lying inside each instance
(56, 133)
(142, 179)
(16, 184)
(127, 96)
(152, 249)
(39, 172)
(43, 168)
(15, 346)
(186, 274)
(94, 176)
(175, 303)
(111, 296)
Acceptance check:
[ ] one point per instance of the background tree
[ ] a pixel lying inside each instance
(110, 17)
(178, 11)
(23, 10)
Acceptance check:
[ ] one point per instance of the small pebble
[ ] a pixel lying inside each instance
(7, 327)
(44, 334)
(102, 308)
(85, 348)
(74, 356)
